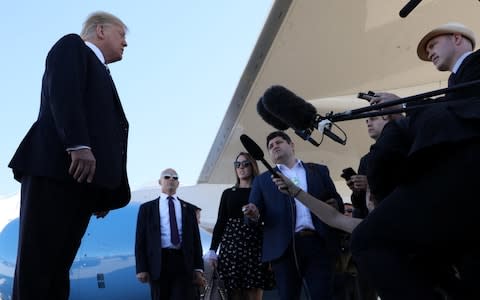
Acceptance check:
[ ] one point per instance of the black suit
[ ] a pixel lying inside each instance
(152, 258)
(79, 107)
(432, 214)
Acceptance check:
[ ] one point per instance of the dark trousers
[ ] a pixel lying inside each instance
(313, 267)
(431, 216)
(175, 282)
(53, 218)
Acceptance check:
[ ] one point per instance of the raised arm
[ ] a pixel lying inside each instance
(322, 210)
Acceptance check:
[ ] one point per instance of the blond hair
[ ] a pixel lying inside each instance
(99, 18)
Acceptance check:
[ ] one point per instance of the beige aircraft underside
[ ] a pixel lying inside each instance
(327, 51)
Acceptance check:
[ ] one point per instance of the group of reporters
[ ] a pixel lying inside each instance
(419, 241)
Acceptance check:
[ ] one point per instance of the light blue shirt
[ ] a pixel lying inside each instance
(459, 61)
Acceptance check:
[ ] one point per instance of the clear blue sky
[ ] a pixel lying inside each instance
(181, 67)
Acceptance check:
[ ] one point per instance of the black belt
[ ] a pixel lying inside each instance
(306, 232)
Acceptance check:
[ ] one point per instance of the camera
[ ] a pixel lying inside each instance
(347, 173)
(366, 96)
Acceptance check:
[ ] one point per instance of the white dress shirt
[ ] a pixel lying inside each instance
(165, 221)
(298, 176)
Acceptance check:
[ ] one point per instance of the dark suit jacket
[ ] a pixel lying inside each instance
(358, 199)
(409, 146)
(452, 121)
(79, 106)
(148, 248)
(276, 213)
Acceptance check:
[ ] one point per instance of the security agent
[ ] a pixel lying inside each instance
(168, 250)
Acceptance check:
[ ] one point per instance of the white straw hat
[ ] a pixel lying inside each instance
(449, 28)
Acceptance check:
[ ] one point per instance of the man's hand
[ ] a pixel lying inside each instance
(143, 277)
(83, 165)
(285, 185)
(382, 97)
(199, 279)
(358, 183)
(251, 211)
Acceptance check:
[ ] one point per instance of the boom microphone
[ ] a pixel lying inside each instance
(279, 124)
(256, 152)
(409, 7)
(296, 112)
(290, 108)
(269, 118)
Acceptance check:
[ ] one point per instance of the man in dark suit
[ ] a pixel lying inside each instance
(422, 226)
(168, 249)
(301, 248)
(72, 162)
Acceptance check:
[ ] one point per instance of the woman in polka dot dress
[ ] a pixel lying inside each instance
(239, 260)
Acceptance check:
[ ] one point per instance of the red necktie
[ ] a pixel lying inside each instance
(174, 237)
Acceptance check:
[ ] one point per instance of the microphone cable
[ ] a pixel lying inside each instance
(293, 211)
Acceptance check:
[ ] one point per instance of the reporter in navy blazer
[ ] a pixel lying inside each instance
(316, 244)
(278, 236)
(72, 162)
(172, 271)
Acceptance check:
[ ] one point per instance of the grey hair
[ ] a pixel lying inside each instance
(99, 18)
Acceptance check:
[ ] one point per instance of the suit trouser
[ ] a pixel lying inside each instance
(53, 218)
(175, 283)
(315, 269)
(433, 216)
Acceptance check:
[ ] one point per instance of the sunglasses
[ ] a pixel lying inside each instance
(167, 177)
(349, 210)
(244, 164)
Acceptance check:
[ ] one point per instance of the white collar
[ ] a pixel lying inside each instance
(165, 196)
(298, 163)
(97, 51)
(457, 64)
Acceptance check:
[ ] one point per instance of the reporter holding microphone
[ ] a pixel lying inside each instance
(301, 248)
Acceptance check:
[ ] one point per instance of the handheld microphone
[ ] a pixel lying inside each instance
(279, 124)
(296, 112)
(407, 9)
(256, 152)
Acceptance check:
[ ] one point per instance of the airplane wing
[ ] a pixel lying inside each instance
(327, 52)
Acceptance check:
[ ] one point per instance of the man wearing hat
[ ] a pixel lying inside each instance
(449, 47)
(429, 222)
